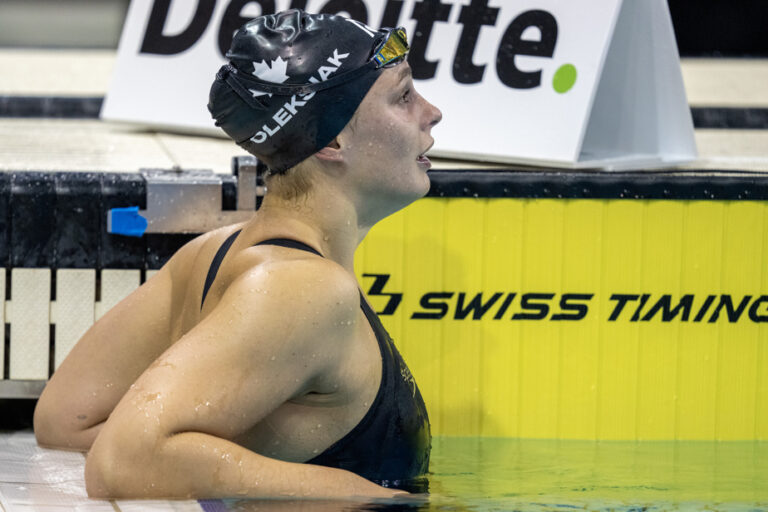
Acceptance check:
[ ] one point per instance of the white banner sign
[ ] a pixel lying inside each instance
(594, 83)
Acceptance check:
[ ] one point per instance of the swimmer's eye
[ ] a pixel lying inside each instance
(406, 97)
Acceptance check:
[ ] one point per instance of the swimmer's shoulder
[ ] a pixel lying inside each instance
(290, 270)
(313, 295)
(302, 278)
(199, 251)
(288, 280)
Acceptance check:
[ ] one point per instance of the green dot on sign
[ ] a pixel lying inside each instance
(564, 78)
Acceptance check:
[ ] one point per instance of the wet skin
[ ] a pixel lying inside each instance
(279, 364)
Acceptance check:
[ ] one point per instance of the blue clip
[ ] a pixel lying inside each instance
(126, 221)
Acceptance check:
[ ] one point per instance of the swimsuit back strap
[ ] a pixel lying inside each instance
(216, 263)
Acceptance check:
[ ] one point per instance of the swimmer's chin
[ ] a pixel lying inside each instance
(424, 190)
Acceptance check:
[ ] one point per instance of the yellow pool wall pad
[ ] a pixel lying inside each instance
(601, 319)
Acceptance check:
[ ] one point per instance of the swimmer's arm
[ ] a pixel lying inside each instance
(169, 436)
(103, 364)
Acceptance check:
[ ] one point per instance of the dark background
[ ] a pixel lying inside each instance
(714, 28)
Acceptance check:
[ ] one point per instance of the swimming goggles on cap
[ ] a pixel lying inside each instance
(393, 50)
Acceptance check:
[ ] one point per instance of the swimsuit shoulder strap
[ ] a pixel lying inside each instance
(216, 263)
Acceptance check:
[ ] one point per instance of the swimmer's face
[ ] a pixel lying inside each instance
(388, 137)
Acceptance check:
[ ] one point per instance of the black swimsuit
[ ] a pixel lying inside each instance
(391, 443)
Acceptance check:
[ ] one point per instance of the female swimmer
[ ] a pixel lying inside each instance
(251, 364)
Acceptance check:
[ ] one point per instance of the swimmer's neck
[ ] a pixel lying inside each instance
(331, 224)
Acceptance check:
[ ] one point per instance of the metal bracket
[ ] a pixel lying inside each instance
(250, 181)
(189, 201)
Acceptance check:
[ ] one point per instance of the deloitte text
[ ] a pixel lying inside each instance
(549, 306)
(466, 67)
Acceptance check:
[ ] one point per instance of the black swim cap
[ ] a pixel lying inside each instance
(294, 81)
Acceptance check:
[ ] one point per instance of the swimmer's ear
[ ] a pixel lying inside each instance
(331, 152)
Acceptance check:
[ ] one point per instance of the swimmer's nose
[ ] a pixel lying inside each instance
(438, 115)
(434, 115)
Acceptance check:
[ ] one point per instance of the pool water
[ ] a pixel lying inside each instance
(466, 474)
(504, 474)
(541, 475)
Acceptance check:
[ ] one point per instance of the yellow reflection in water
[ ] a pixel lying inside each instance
(531, 474)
